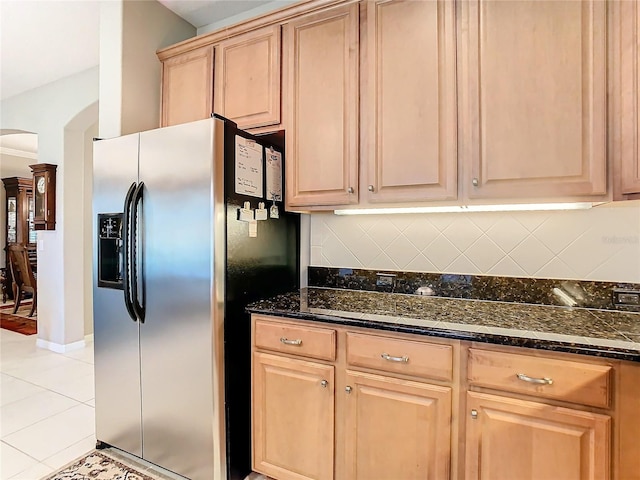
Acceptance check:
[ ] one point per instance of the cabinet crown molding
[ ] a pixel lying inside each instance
(280, 15)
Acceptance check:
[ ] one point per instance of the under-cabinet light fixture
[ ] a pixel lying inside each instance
(467, 208)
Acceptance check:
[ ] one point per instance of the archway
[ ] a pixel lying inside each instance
(18, 150)
(74, 219)
(77, 223)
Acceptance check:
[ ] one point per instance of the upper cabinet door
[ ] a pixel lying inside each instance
(321, 53)
(187, 87)
(533, 98)
(248, 78)
(409, 101)
(628, 95)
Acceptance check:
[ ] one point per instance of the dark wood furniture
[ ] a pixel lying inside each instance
(44, 195)
(19, 224)
(23, 279)
(3, 285)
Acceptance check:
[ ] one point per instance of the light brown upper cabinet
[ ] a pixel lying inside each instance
(408, 100)
(532, 92)
(187, 92)
(458, 102)
(321, 87)
(247, 78)
(625, 97)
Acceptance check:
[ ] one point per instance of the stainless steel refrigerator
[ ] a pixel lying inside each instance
(174, 267)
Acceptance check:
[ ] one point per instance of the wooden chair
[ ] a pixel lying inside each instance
(3, 284)
(23, 278)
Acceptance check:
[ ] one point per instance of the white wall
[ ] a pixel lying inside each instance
(87, 230)
(110, 87)
(598, 244)
(48, 111)
(64, 114)
(14, 166)
(130, 34)
(77, 252)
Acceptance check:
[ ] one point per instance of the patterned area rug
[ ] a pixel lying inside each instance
(20, 322)
(98, 466)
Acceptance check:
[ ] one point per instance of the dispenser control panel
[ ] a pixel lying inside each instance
(110, 260)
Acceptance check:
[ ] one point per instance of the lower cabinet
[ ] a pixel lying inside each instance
(293, 416)
(396, 429)
(389, 423)
(331, 401)
(509, 438)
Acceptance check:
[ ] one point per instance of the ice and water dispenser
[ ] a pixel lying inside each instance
(110, 261)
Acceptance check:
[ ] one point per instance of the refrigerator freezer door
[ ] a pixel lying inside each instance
(116, 343)
(178, 338)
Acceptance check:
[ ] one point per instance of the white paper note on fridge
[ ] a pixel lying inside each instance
(249, 167)
(274, 175)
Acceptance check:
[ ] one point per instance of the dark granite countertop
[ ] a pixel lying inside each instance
(602, 333)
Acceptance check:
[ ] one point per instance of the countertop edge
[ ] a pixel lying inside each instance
(482, 337)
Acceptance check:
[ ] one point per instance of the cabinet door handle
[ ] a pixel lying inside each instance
(324, 383)
(350, 190)
(371, 189)
(538, 381)
(348, 389)
(391, 358)
(297, 342)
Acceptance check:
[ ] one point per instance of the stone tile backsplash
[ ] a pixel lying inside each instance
(536, 291)
(600, 244)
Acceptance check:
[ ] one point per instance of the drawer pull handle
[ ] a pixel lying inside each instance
(391, 358)
(297, 342)
(539, 381)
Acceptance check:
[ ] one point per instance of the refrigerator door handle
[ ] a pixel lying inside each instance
(126, 252)
(137, 254)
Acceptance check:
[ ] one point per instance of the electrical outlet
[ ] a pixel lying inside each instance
(385, 282)
(629, 298)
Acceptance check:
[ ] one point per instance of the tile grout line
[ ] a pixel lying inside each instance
(47, 389)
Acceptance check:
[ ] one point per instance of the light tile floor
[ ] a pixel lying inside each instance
(46, 407)
(47, 416)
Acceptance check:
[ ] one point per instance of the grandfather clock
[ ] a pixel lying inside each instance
(44, 196)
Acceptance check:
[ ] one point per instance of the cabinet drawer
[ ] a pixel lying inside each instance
(306, 341)
(576, 382)
(428, 360)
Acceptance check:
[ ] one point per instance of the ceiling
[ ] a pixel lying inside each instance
(42, 41)
(19, 144)
(203, 12)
